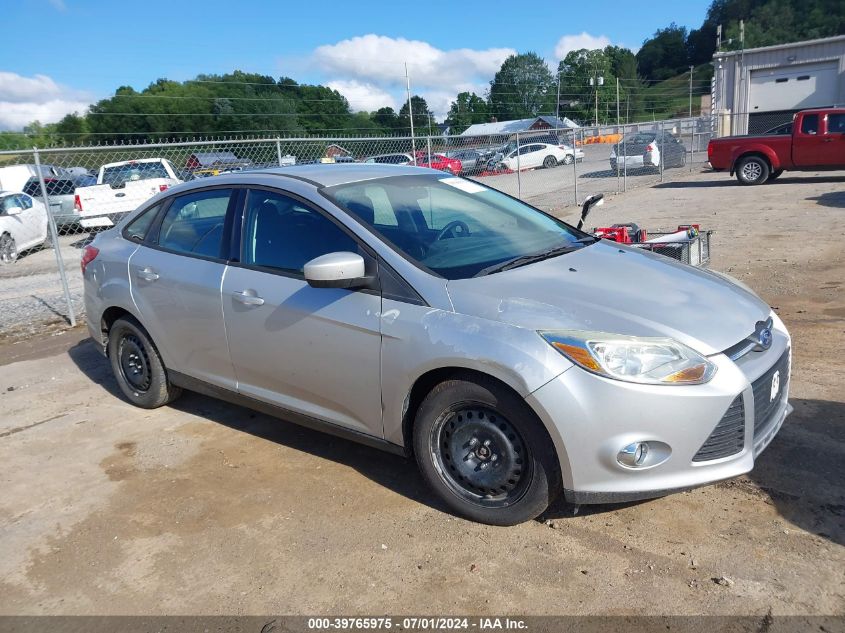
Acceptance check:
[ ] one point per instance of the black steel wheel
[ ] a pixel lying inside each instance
(8, 249)
(484, 452)
(137, 365)
(480, 455)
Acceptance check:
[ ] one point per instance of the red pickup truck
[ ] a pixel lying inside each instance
(817, 143)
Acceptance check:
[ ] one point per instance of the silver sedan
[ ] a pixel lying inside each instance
(511, 355)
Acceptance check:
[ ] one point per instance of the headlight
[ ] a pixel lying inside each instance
(650, 361)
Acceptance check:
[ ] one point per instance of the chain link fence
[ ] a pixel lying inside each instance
(52, 199)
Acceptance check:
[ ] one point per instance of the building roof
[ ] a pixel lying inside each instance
(517, 125)
(775, 47)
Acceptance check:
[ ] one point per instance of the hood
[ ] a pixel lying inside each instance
(612, 288)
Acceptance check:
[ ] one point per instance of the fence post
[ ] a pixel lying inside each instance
(624, 160)
(692, 148)
(54, 237)
(518, 170)
(279, 151)
(575, 162)
(662, 154)
(428, 146)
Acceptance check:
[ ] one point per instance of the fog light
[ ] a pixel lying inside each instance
(634, 455)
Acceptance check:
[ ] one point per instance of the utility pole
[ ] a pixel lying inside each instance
(557, 103)
(690, 91)
(410, 114)
(617, 101)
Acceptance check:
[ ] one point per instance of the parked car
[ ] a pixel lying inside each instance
(120, 188)
(657, 150)
(61, 196)
(23, 225)
(474, 161)
(14, 177)
(391, 159)
(535, 155)
(440, 162)
(816, 142)
(511, 354)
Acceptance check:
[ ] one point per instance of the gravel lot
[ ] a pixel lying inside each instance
(204, 507)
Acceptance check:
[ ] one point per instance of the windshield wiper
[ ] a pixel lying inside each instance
(524, 260)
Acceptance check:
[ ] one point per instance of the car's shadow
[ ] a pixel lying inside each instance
(835, 199)
(391, 471)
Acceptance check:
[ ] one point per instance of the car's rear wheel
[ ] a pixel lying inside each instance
(549, 162)
(484, 452)
(752, 170)
(567, 160)
(137, 365)
(8, 249)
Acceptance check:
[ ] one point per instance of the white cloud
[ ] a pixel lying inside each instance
(436, 74)
(27, 99)
(569, 43)
(362, 95)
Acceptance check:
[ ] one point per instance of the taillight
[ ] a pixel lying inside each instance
(163, 187)
(89, 254)
(77, 203)
(651, 147)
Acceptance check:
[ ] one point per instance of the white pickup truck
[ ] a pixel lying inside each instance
(122, 187)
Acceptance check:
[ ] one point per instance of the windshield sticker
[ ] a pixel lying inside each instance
(463, 185)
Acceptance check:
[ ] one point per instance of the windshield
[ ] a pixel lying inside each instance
(454, 227)
(119, 175)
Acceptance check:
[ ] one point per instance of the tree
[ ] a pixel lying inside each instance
(387, 119)
(579, 89)
(467, 109)
(665, 54)
(423, 117)
(523, 87)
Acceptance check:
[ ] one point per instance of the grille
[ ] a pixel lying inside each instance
(728, 437)
(764, 406)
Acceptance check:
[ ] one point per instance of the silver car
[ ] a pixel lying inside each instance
(512, 355)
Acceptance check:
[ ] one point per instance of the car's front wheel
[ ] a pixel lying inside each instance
(137, 365)
(752, 170)
(8, 249)
(484, 452)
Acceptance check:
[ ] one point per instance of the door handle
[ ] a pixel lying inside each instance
(248, 297)
(148, 274)
(828, 140)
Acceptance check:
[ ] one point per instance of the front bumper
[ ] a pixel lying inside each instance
(592, 418)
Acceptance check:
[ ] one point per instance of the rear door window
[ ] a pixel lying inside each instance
(194, 223)
(836, 123)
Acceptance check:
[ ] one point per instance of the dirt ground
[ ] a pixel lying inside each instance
(204, 507)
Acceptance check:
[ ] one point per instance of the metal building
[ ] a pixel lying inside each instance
(757, 89)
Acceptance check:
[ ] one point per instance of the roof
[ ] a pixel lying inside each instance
(776, 47)
(517, 125)
(328, 175)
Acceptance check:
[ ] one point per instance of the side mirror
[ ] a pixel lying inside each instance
(593, 201)
(337, 270)
(13, 210)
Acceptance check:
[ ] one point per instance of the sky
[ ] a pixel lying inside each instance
(58, 56)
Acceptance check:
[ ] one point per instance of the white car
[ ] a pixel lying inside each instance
(23, 225)
(120, 188)
(535, 155)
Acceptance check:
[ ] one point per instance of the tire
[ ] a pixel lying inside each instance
(137, 366)
(752, 170)
(775, 174)
(8, 249)
(484, 452)
(549, 162)
(567, 160)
